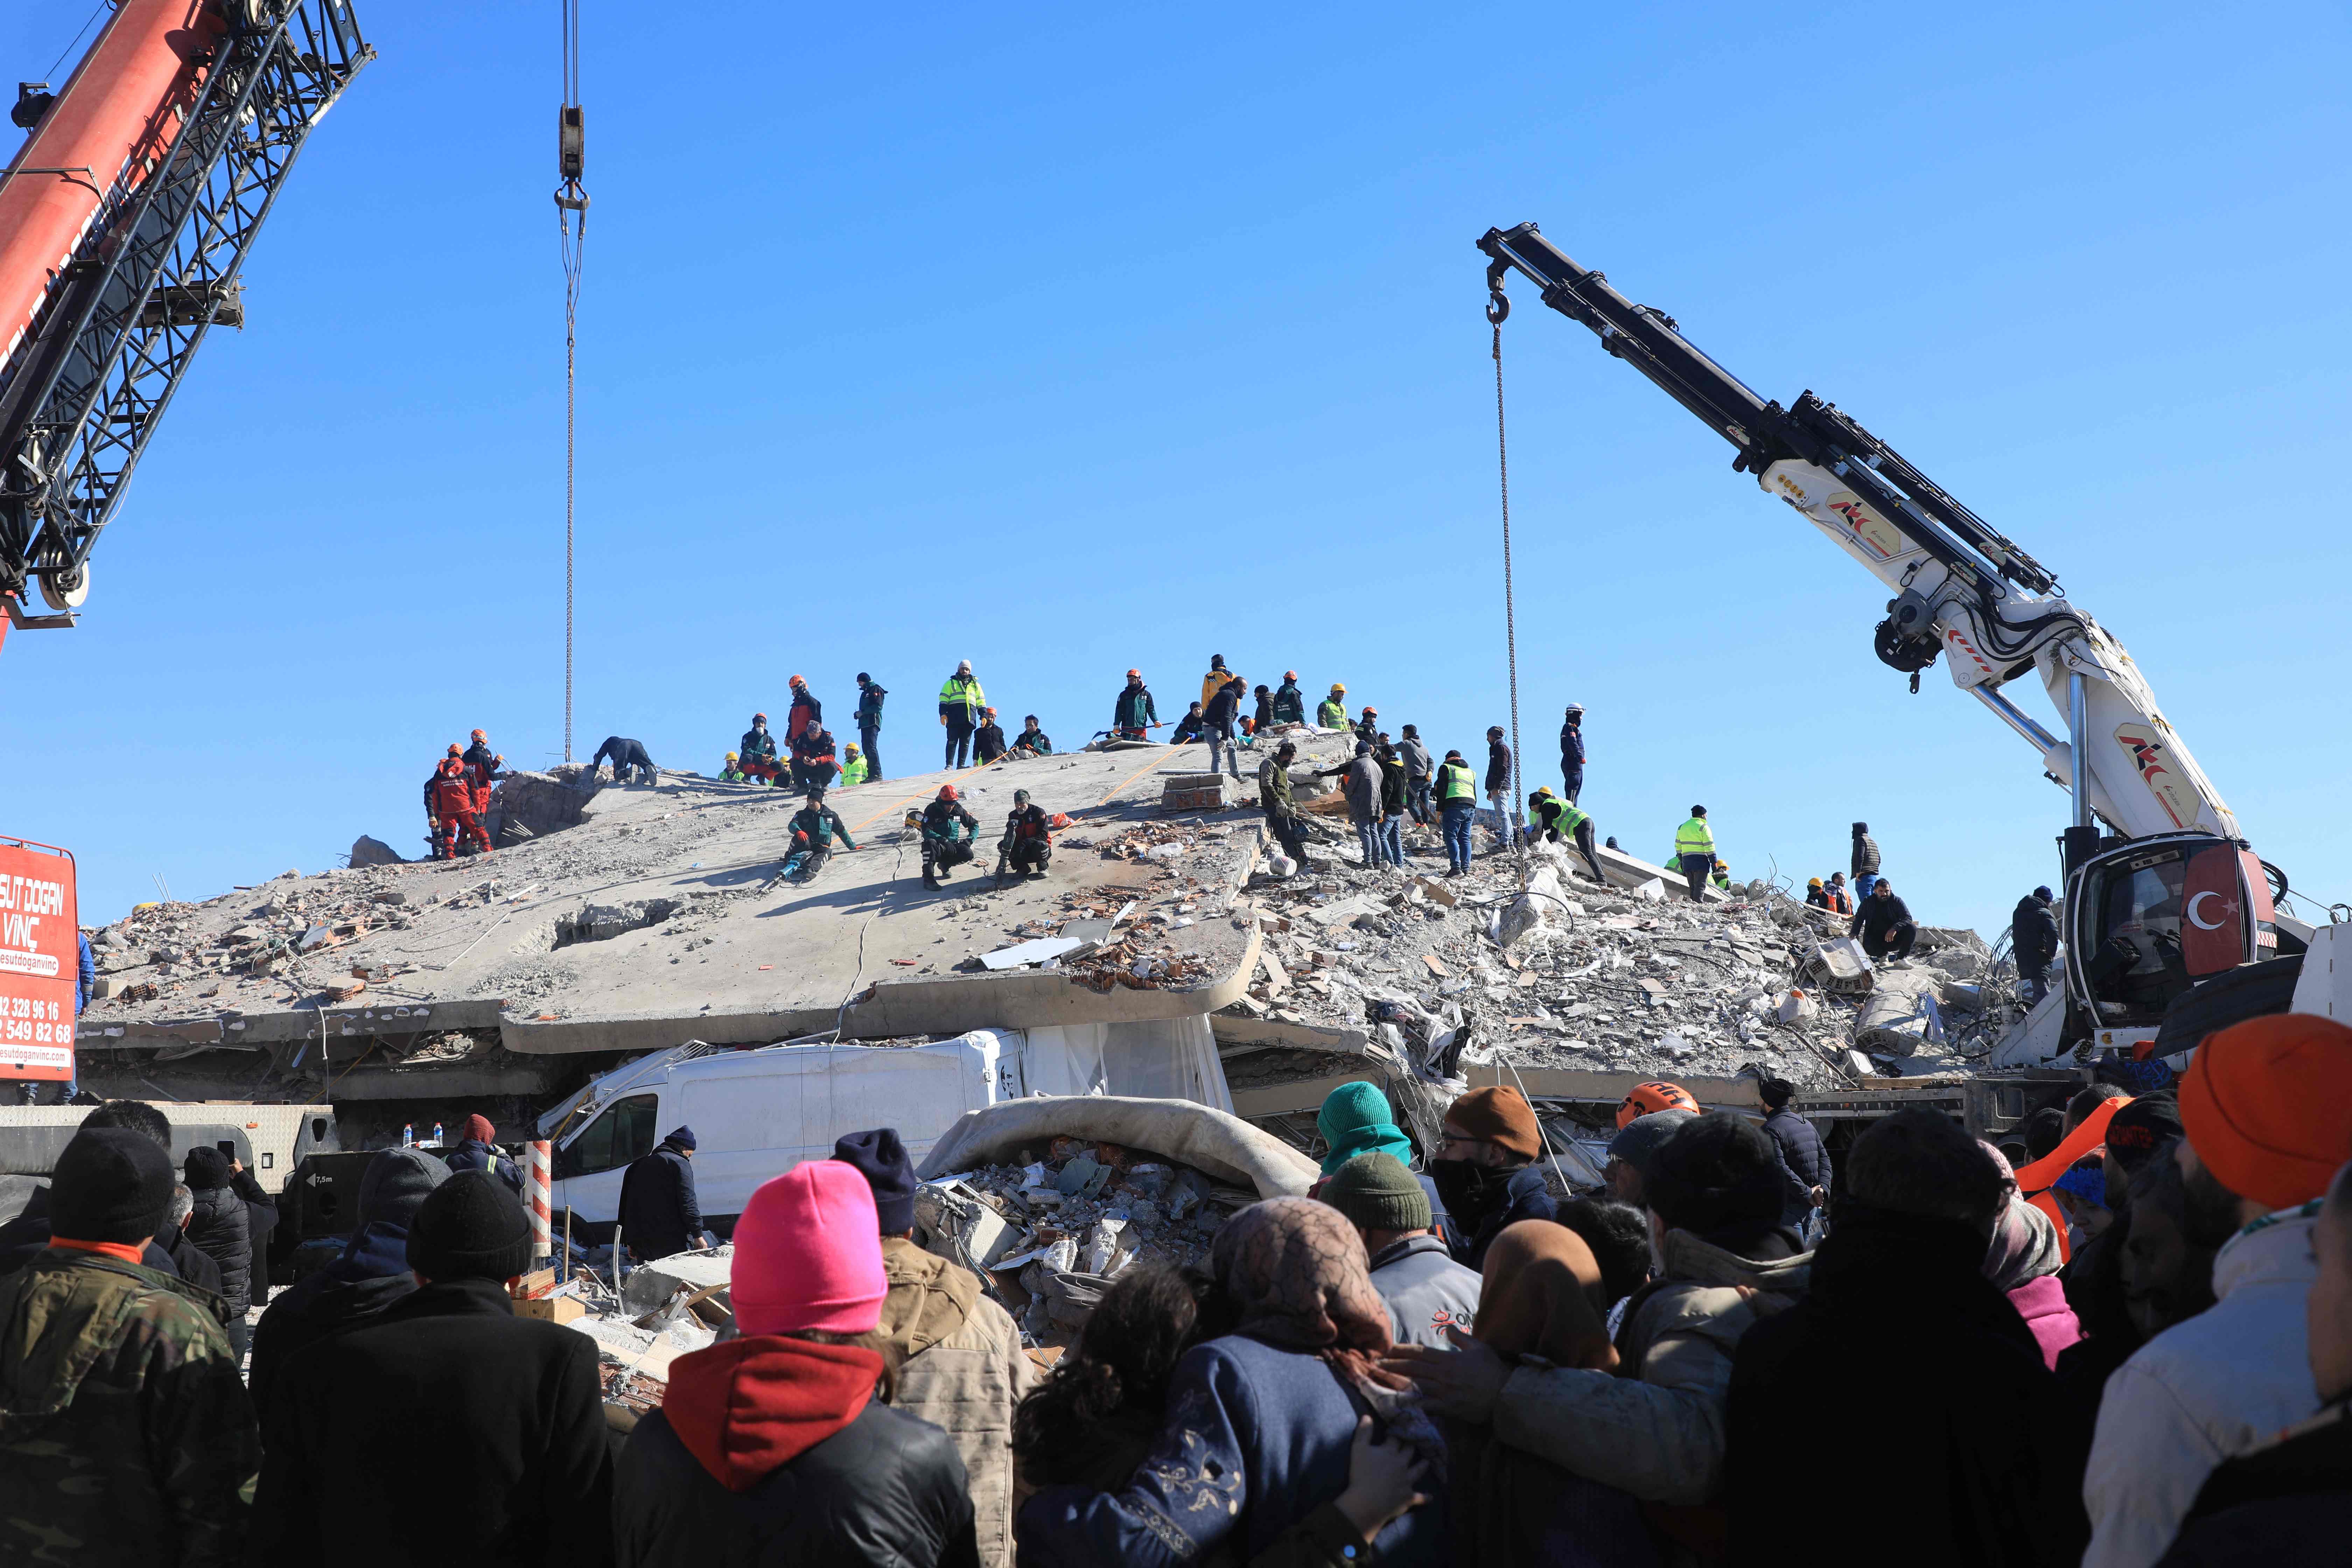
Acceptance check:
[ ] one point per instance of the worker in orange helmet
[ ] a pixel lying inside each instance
(482, 768)
(806, 711)
(1652, 1097)
(1134, 714)
(944, 846)
(453, 804)
(432, 809)
(1289, 702)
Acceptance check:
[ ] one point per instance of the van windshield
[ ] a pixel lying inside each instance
(624, 1133)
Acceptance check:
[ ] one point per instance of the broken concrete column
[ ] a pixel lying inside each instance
(1900, 1014)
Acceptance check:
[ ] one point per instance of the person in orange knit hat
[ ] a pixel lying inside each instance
(1484, 1170)
(2264, 1127)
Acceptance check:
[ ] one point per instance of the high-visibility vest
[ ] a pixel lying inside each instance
(963, 689)
(1570, 820)
(1454, 783)
(1693, 837)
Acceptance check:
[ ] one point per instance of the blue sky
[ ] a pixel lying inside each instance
(1085, 337)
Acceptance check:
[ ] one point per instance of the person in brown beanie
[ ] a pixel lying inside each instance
(1486, 1170)
(126, 1433)
(445, 1423)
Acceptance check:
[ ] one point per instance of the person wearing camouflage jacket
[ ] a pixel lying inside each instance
(125, 1432)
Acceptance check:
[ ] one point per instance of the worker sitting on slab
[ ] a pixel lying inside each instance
(1561, 821)
(943, 847)
(758, 756)
(1289, 702)
(1816, 895)
(1134, 713)
(1722, 877)
(853, 765)
(729, 773)
(1883, 923)
(453, 804)
(1032, 741)
(1331, 714)
(813, 763)
(629, 760)
(988, 741)
(1188, 728)
(1027, 846)
(815, 826)
(1694, 852)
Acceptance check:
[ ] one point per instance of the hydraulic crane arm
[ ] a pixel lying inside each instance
(124, 220)
(1960, 587)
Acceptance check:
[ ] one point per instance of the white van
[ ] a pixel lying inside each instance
(758, 1113)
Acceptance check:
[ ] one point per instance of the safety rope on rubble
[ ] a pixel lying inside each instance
(1498, 307)
(570, 198)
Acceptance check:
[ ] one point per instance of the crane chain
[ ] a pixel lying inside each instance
(1498, 308)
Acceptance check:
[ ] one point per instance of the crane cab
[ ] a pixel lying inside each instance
(2150, 919)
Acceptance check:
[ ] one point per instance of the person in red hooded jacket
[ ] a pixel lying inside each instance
(453, 803)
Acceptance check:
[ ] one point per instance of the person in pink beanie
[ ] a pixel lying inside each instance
(774, 1444)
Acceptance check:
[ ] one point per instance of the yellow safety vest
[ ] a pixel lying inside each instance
(965, 689)
(1454, 783)
(1693, 837)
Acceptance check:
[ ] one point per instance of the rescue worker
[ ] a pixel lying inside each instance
(1816, 895)
(960, 703)
(854, 769)
(1884, 922)
(1133, 714)
(1289, 702)
(1281, 808)
(1331, 714)
(1562, 821)
(1264, 716)
(629, 760)
(1694, 852)
(1214, 681)
(1722, 877)
(1841, 900)
(453, 804)
(812, 764)
(1027, 846)
(988, 741)
(1032, 741)
(1217, 715)
(1498, 787)
(1188, 728)
(757, 754)
(1865, 865)
(815, 826)
(805, 712)
(942, 848)
(1418, 769)
(2033, 939)
(1571, 752)
(869, 724)
(482, 763)
(431, 803)
(729, 773)
(1368, 727)
(1457, 806)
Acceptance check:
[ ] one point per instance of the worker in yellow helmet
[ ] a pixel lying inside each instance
(729, 773)
(1331, 714)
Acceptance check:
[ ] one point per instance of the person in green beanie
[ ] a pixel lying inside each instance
(1355, 1120)
(1413, 1268)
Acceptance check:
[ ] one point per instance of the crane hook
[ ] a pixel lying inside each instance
(1498, 307)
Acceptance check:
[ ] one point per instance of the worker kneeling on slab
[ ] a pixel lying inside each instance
(1027, 846)
(815, 826)
(944, 846)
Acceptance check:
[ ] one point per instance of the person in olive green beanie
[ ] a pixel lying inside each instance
(1427, 1292)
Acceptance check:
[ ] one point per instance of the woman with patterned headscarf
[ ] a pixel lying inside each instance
(1263, 1415)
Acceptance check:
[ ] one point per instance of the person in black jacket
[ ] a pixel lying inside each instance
(2033, 940)
(372, 1273)
(1217, 722)
(189, 1261)
(445, 1428)
(1396, 798)
(1571, 752)
(629, 760)
(1902, 1267)
(232, 1222)
(1027, 848)
(869, 724)
(1188, 728)
(478, 1149)
(1498, 786)
(773, 1446)
(988, 741)
(1884, 924)
(23, 1238)
(944, 846)
(1805, 1163)
(1864, 864)
(660, 1212)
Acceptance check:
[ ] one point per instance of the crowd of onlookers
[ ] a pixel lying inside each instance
(2124, 1341)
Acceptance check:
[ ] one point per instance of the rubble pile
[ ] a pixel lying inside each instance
(1567, 974)
(1050, 1232)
